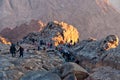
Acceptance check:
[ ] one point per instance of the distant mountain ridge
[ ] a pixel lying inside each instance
(19, 32)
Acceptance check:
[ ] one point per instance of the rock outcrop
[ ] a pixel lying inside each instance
(96, 53)
(111, 41)
(56, 33)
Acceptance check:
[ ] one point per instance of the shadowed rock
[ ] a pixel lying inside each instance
(71, 70)
(105, 73)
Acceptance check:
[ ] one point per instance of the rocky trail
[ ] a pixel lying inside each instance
(38, 65)
(12, 68)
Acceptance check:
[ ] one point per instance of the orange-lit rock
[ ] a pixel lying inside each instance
(111, 41)
(70, 34)
(41, 25)
(4, 41)
(56, 33)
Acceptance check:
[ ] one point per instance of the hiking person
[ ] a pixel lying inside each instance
(21, 50)
(13, 50)
(41, 42)
(48, 45)
(39, 48)
(51, 45)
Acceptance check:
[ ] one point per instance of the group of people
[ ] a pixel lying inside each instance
(66, 54)
(42, 44)
(13, 50)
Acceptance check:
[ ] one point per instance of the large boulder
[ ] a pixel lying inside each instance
(73, 70)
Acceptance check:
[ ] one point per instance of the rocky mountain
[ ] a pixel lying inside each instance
(92, 18)
(53, 51)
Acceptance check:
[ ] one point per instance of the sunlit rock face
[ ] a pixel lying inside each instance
(56, 33)
(111, 41)
(4, 41)
(115, 4)
(70, 34)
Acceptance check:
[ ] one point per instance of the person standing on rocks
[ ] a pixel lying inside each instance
(13, 50)
(21, 51)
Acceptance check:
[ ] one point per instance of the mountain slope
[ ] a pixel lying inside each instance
(95, 18)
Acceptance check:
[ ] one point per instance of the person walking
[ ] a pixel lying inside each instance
(13, 50)
(21, 51)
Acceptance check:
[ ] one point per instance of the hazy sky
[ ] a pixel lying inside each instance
(116, 3)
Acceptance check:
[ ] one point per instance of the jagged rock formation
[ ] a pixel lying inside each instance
(96, 19)
(56, 33)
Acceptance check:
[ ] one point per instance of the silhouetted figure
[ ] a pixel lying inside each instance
(21, 50)
(41, 42)
(51, 45)
(13, 50)
(48, 45)
(39, 47)
(32, 40)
